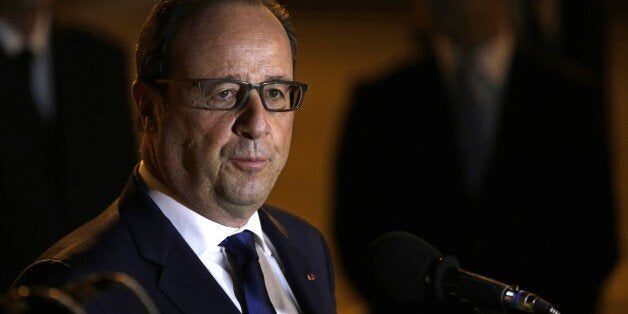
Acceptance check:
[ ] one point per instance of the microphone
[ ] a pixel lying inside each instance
(406, 267)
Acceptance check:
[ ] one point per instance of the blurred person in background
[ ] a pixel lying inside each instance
(491, 148)
(67, 138)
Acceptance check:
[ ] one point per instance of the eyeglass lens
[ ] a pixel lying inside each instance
(226, 95)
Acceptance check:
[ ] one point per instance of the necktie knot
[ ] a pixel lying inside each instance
(241, 246)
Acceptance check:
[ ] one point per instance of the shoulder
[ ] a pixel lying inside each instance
(83, 43)
(371, 98)
(97, 246)
(294, 227)
(399, 77)
(552, 71)
(287, 219)
(83, 239)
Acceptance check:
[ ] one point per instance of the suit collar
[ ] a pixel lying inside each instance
(296, 265)
(201, 234)
(182, 271)
(12, 41)
(159, 242)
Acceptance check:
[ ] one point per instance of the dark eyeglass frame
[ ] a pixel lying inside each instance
(259, 87)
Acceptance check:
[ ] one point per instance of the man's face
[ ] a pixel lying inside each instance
(223, 164)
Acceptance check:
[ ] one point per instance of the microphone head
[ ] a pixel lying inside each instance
(397, 263)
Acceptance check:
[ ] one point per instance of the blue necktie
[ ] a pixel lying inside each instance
(240, 248)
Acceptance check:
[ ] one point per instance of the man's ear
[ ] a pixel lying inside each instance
(146, 99)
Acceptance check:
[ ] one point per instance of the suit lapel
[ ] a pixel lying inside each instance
(189, 285)
(184, 279)
(296, 265)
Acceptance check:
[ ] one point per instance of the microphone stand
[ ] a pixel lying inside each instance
(72, 297)
(92, 285)
(23, 299)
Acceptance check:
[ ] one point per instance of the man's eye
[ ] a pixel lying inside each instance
(225, 94)
(275, 94)
(220, 97)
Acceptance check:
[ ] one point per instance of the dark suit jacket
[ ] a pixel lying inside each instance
(134, 237)
(55, 175)
(545, 216)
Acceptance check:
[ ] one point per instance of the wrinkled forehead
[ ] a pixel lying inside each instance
(235, 33)
(216, 20)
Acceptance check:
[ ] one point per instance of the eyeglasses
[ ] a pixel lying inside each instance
(229, 95)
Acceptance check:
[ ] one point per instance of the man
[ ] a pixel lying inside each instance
(66, 132)
(215, 99)
(515, 184)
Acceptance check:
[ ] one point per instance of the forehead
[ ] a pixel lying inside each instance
(225, 37)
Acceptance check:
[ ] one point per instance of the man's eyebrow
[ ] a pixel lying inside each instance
(266, 78)
(276, 78)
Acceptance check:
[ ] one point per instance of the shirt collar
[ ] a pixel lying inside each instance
(492, 59)
(201, 234)
(13, 43)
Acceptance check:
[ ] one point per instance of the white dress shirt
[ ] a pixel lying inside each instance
(204, 236)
